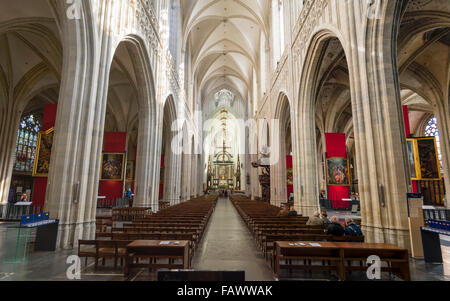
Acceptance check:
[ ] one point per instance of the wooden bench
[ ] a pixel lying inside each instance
(154, 250)
(336, 256)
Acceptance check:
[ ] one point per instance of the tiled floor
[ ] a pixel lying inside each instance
(227, 245)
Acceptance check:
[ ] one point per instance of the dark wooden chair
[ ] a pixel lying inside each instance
(106, 249)
(86, 249)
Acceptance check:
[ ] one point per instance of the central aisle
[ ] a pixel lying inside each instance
(228, 245)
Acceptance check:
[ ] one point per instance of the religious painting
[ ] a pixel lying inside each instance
(290, 176)
(428, 159)
(43, 153)
(112, 166)
(130, 171)
(411, 146)
(338, 172)
(161, 175)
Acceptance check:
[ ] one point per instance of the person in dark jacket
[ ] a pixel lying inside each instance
(324, 217)
(352, 229)
(292, 211)
(335, 228)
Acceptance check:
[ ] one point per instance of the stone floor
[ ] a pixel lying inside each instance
(227, 245)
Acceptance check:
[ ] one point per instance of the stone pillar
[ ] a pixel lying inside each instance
(306, 186)
(75, 161)
(378, 123)
(9, 124)
(147, 164)
(278, 170)
(193, 174)
(443, 119)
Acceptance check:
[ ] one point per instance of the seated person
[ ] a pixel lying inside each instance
(325, 219)
(284, 212)
(292, 211)
(352, 229)
(315, 220)
(335, 228)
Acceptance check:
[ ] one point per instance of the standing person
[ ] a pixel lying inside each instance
(130, 197)
(351, 228)
(335, 228)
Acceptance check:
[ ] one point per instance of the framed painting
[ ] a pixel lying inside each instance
(130, 171)
(112, 166)
(428, 159)
(338, 172)
(290, 176)
(413, 160)
(43, 152)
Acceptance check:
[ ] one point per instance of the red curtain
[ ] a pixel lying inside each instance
(415, 189)
(161, 180)
(406, 121)
(113, 142)
(290, 188)
(335, 146)
(40, 184)
(110, 189)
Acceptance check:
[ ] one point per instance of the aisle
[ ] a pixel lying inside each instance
(227, 245)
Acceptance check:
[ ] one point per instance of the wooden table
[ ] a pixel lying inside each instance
(154, 250)
(338, 253)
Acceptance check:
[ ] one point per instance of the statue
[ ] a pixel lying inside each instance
(264, 179)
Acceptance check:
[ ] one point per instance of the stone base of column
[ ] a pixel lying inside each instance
(174, 202)
(155, 207)
(69, 234)
(3, 211)
(306, 210)
(396, 237)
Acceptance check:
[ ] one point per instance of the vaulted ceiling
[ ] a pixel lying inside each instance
(223, 37)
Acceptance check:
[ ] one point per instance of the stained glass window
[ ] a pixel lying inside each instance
(431, 130)
(26, 143)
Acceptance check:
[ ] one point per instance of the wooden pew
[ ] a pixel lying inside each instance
(335, 256)
(183, 222)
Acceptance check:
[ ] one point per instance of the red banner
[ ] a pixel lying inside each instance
(335, 146)
(40, 184)
(161, 180)
(415, 188)
(289, 180)
(113, 142)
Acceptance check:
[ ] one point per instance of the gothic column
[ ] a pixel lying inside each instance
(148, 159)
(306, 186)
(443, 119)
(74, 167)
(9, 124)
(378, 123)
